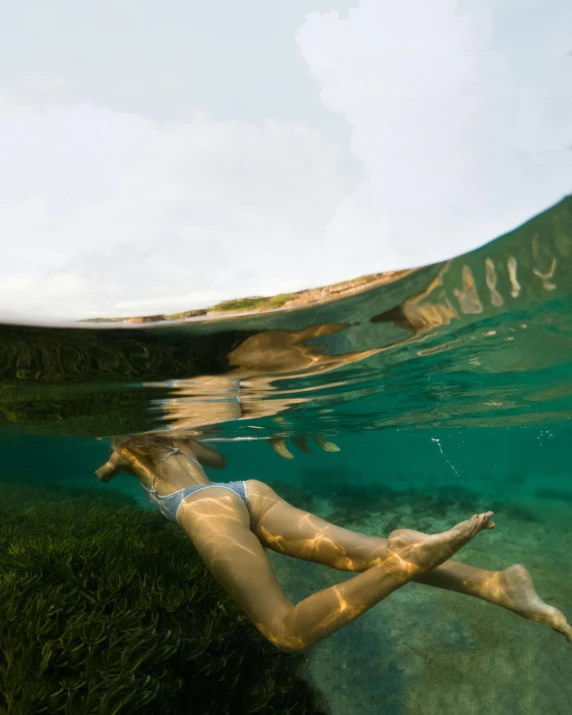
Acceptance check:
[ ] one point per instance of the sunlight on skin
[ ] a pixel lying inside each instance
(360, 553)
(311, 549)
(400, 567)
(215, 524)
(230, 539)
(342, 611)
(288, 644)
(323, 613)
(408, 553)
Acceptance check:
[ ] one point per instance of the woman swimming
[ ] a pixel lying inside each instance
(231, 523)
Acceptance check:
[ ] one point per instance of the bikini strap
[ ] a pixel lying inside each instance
(174, 450)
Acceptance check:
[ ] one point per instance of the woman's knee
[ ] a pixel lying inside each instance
(282, 633)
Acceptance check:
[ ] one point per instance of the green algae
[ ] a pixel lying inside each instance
(107, 609)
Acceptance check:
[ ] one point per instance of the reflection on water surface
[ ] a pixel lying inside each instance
(393, 374)
(480, 340)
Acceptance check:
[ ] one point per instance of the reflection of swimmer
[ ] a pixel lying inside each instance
(278, 443)
(243, 391)
(232, 523)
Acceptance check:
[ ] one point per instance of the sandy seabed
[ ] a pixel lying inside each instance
(425, 651)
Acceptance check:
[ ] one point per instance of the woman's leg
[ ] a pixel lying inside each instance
(288, 530)
(219, 527)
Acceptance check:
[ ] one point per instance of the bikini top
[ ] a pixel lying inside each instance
(153, 491)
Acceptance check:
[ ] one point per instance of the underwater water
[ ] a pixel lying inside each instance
(447, 390)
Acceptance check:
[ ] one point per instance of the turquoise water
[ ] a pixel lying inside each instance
(447, 391)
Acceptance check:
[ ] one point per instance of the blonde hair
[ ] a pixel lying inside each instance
(150, 446)
(146, 449)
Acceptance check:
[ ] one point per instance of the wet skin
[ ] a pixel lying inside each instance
(231, 539)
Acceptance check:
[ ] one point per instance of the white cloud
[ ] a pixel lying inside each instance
(110, 212)
(104, 212)
(458, 143)
(41, 81)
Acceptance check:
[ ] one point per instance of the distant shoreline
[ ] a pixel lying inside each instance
(263, 304)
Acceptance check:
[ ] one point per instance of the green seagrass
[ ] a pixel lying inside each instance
(107, 609)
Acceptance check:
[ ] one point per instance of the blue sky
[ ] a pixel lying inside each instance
(162, 156)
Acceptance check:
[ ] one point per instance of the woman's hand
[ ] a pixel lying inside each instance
(118, 462)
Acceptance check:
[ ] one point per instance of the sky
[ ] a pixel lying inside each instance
(158, 157)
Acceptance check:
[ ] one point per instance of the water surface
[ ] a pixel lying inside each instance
(448, 389)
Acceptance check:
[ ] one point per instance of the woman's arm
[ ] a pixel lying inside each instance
(207, 456)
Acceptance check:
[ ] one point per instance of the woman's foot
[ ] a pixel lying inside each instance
(411, 552)
(516, 592)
